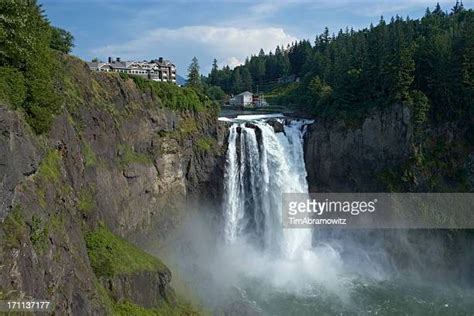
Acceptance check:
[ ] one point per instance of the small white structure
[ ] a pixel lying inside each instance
(244, 99)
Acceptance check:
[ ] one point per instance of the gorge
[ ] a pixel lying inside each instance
(120, 171)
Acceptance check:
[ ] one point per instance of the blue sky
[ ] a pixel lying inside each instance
(226, 30)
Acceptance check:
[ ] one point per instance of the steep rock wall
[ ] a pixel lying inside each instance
(343, 159)
(115, 157)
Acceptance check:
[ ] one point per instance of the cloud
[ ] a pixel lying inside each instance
(371, 8)
(228, 44)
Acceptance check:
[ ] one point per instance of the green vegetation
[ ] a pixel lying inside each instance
(50, 167)
(174, 97)
(104, 297)
(86, 200)
(129, 156)
(90, 158)
(205, 144)
(187, 126)
(61, 40)
(194, 78)
(39, 232)
(14, 227)
(25, 38)
(18, 230)
(426, 63)
(421, 107)
(12, 87)
(111, 255)
(127, 308)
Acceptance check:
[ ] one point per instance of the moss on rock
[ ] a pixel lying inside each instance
(50, 168)
(127, 308)
(111, 255)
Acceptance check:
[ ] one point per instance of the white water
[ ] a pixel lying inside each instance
(265, 167)
(272, 271)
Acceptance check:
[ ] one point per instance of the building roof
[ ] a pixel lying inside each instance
(245, 93)
(152, 65)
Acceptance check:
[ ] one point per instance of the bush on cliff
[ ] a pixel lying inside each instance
(174, 97)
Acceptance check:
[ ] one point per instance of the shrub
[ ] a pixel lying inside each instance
(128, 156)
(205, 144)
(174, 97)
(39, 233)
(421, 107)
(12, 87)
(14, 227)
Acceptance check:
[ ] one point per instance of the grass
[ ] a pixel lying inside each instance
(90, 158)
(49, 170)
(39, 233)
(128, 156)
(111, 255)
(50, 167)
(185, 128)
(104, 297)
(86, 201)
(14, 227)
(205, 144)
(127, 308)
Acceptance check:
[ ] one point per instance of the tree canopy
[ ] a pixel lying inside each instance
(427, 63)
(27, 62)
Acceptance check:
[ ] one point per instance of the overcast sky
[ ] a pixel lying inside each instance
(226, 30)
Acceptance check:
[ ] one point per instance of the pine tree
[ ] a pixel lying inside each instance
(458, 7)
(194, 78)
(213, 76)
(236, 81)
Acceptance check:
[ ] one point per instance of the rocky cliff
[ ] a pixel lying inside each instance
(388, 152)
(118, 164)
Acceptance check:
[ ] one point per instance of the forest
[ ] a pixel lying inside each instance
(427, 63)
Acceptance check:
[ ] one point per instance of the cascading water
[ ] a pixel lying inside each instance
(269, 270)
(261, 165)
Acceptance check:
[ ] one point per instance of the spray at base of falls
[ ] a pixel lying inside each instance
(249, 264)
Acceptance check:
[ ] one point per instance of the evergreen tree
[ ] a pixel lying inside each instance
(236, 81)
(194, 78)
(61, 40)
(246, 79)
(213, 76)
(25, 38)
(427, 64)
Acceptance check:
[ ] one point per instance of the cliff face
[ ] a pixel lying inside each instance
(344, 159)
(115, 157)
(389, 152)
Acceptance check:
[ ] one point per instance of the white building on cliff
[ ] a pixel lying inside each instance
(156, 69)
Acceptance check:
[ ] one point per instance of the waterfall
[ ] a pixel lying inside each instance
(262, 164)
